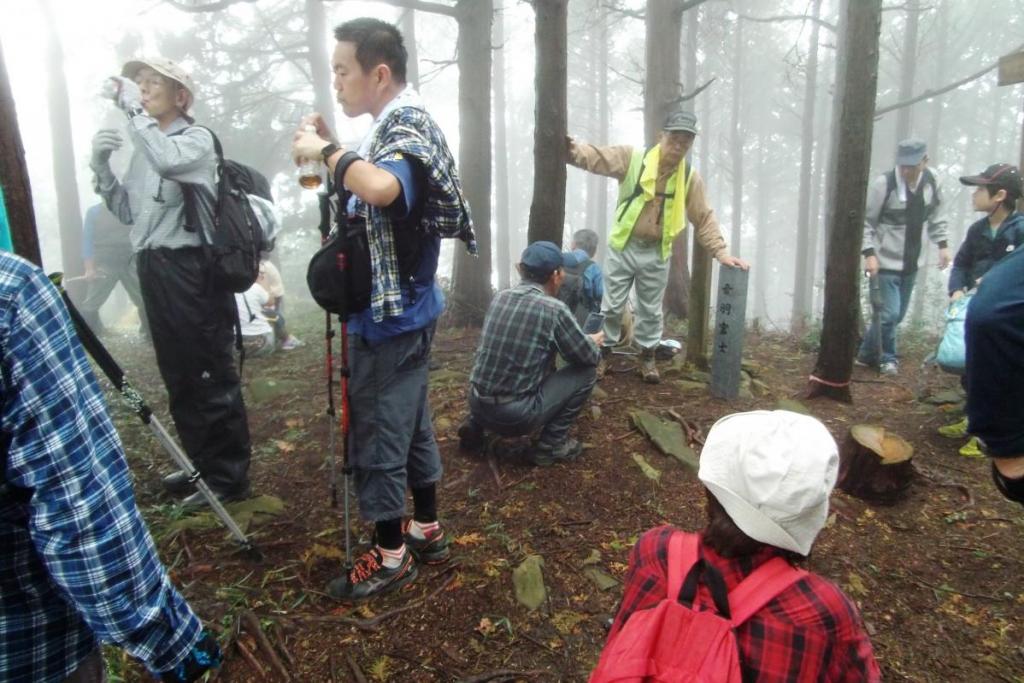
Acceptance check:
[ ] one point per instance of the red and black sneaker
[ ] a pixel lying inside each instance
(430, 550)
(370, 578)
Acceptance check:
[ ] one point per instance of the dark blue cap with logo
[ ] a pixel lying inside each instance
(542, 258)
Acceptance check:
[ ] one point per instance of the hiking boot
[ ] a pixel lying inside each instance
(471, 435)
(889, 368)
(972, 449)
(198, 500)
(178, 484)
(544, 455)
(957, 430)
(370, 578)
(648, 368)
(430, 550)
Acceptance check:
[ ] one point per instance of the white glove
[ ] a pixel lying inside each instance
(127, 95)
(104, 143)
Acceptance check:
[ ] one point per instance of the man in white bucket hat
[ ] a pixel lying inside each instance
(191, 322)
(768, 476)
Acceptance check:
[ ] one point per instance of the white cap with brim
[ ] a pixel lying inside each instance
(164, 67)
(772, 472)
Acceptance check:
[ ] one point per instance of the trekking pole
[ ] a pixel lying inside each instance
(331, 456)
(138, 405)
(346, 467)
(325, 231)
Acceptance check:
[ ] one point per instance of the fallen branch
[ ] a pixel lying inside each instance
(279, 637)
(252, 624)
(631, 432)
(947, 589)
(334, 668)
(501, 675)
(693, 432)
(249, 657)
(373, 625)
(942, 481)
(357, 673)
(492, 463)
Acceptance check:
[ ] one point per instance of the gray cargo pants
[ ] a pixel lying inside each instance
(391, 445)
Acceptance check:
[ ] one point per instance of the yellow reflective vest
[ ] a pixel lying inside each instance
(631, 202)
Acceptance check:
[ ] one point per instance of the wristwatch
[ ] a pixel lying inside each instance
(327, 150)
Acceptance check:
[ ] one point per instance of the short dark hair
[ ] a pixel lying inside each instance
(586, 240)
(377, 42)
(1010, 201)
(728, 540)
(530, 275)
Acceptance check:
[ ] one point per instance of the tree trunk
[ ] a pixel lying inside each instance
(502, 226)
(815, 253)
(597, 186)
(547, 211)
(875, 466)
(856, 88)
(677, 297)
(319, 61)
(471, 276)
(699, 300)
(17, 193)
(905, 115)
(407, 24)
(736, 146)
(664, 23)
(69, 211)
(831, 169)
(763, 221)
(603, 116)
(803, 277)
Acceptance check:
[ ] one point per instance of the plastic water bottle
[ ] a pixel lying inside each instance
(110, 89)
(309, 169)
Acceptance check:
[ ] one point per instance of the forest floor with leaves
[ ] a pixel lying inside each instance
(936, 577)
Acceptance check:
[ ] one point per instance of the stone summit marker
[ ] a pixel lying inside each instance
(730, 323)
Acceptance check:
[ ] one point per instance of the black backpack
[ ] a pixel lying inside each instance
(571, 291)
(238, 236)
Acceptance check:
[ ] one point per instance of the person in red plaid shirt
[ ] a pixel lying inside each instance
(768, 476)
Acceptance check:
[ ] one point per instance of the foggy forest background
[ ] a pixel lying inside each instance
(759, 75)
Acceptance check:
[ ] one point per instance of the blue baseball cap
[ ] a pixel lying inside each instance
(542, 258)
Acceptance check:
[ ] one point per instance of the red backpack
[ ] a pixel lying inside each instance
(674, 642)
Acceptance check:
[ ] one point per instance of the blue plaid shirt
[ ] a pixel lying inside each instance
(77, 562)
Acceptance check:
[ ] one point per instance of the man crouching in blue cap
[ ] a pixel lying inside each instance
(512, 390)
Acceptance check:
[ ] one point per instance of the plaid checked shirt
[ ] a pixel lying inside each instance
(412, 132)
(523, 330)
(809, 632)
(77, 561)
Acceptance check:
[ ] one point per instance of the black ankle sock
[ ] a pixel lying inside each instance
(424, 502)
(389, 533)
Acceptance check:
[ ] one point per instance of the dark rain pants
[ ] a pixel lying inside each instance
(193, 336)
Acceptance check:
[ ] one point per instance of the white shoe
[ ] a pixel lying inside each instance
(292, 343)
(889, 368)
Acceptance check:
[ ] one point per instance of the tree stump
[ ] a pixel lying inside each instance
(875, 465)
